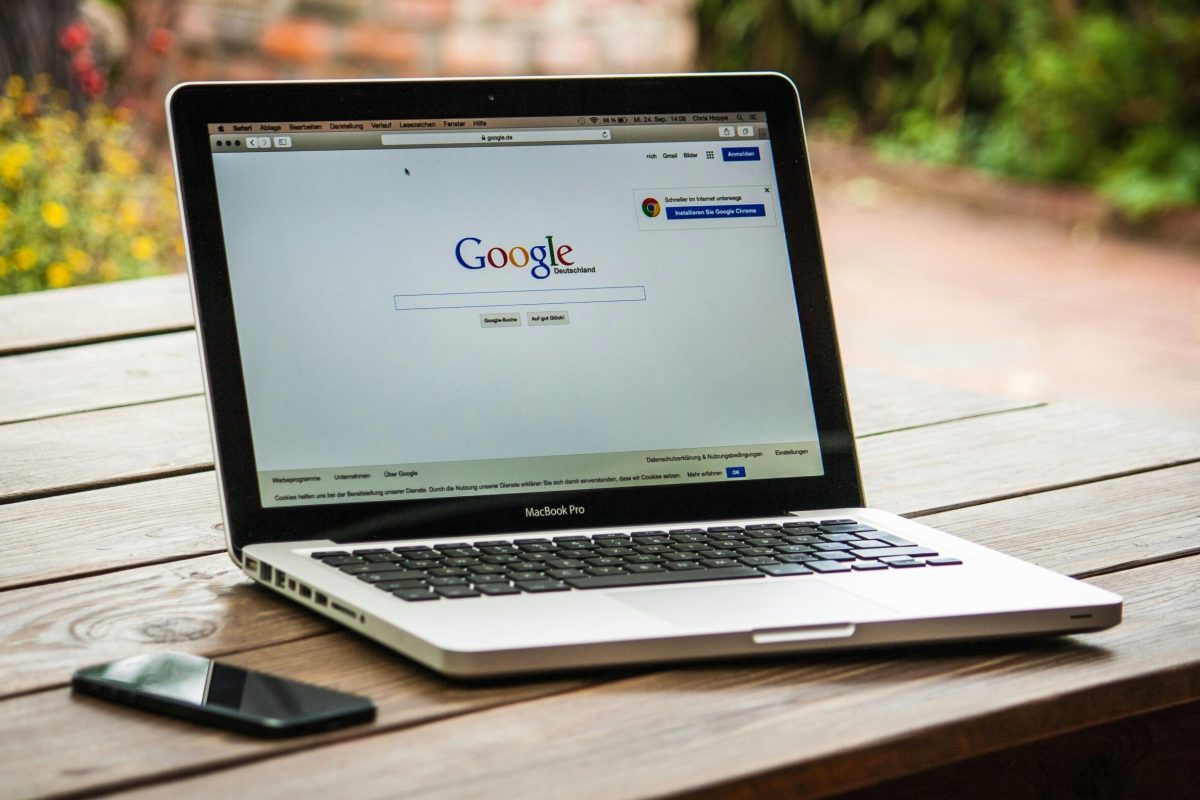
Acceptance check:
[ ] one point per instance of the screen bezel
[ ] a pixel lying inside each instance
(191, 107)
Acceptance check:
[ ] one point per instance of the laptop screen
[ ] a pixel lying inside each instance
(432, 308)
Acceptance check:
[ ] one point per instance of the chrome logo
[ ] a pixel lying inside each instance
(651, 207)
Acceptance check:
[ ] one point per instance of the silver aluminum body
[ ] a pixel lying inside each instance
(988, 595)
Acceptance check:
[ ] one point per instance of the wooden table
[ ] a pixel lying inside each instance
(112, 546)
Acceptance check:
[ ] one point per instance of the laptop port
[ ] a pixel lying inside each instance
(321, 599)
(264, 572)
(343, 609)
(280, 578)
(305, 592)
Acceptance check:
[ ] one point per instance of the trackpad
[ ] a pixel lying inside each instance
(751, 605)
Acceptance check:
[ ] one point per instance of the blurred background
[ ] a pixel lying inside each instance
(1009, 189)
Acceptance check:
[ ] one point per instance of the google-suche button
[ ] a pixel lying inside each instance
(739, 154)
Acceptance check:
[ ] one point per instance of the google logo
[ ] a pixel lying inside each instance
(517, 256)
(651, 207)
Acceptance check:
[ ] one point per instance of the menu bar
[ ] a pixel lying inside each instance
(385, 125)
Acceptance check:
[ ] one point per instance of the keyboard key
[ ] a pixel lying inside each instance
(451, 545)
(561, 539)
(344, 561)
(421, 563)
(526, 575)
(372, 551)
(895, 541)
(905, 563)
(764, 526)
(605, 571)
(880, 552)
(531, 541)
(447, 581)
(801, 524)
(460, 562)
(411, 548)
(545, 585)
(758, 561)
(328, 553)
(852, 528)
(794, 548)
(840, 537)
(803, 539)
(796, 558)
(413, 595)
(565, 563)
(780, 570)
(824, 546)
(640, 568)
(455, 592)
(828, 566)
(362, 566)
(863, 544)
(942, 561)
(380, 558)
(720, 562)
(394, 575)
(486, 569)
(391, 586)
(723, 553)
(448, 572)
(489, 578)
(679, 576)
(836, 555)
(497, 588)
(566, 573)
(677, 565)
(825, 522)
(639, 559)
(864, 566)
(605, 562)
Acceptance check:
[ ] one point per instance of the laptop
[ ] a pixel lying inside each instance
(532, 374)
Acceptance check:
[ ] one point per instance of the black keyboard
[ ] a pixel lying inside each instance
(643, 558)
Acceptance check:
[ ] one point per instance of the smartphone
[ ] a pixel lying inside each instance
(209, 692)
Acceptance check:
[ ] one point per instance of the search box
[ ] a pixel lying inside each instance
(493, 137)
(528, 297)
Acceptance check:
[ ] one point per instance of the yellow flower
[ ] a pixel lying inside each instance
(108, 270)
(119, 162)
(55, 214)
(143, 248)
(79, 261)
(129, 215)
(57, 275)
(25, 257)
(12, 160)
(14, 87)
(3, 266)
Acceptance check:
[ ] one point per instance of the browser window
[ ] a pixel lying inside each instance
(447, 308)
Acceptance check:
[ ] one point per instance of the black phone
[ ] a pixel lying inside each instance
(202, 690)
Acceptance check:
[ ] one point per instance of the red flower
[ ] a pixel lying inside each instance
(75, 36)
(161, 40)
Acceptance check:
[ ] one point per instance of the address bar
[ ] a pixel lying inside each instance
(493, 137)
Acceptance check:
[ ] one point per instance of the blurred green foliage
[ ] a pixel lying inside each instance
(1102, 92)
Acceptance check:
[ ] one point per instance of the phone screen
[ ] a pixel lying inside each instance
(205, 690)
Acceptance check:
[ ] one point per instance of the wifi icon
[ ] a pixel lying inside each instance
(594, 119)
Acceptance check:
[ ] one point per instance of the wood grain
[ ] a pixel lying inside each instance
(834, 722)
(133, 742)
(86, 314)
(118, 528)
(1150, 755)
(1103, 526)
(336, 658)
(989, 458)
(121, 373)
(49, 456)
(202, 605)
(881, 403)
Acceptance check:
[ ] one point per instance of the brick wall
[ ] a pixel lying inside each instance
(253, 39)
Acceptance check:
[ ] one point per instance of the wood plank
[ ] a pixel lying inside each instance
(107, 375)
(1150, 755)
(118, 528)
(1104, 526)
(96, 765)
(49, 456)
(829, 724)
(125, 528)
(992, 457)
(202, 605)
(132, 742)
(85, 314)
(881, 403)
